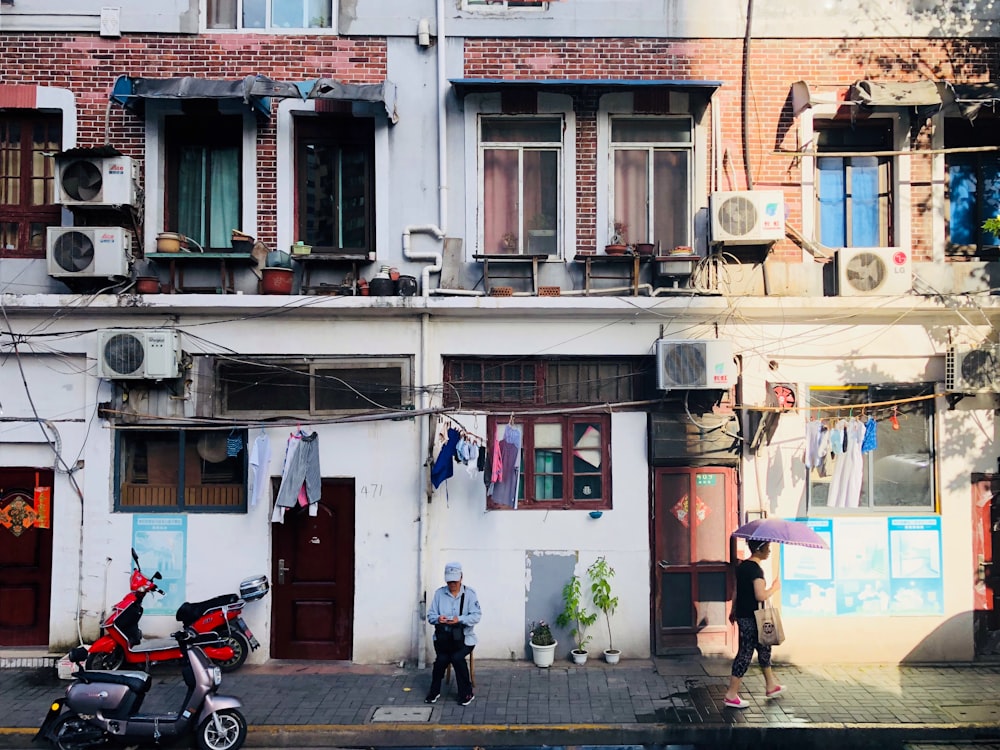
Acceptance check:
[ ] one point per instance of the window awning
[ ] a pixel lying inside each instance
(924, 97)
(465, 86)
(331, 88)
(255, 91)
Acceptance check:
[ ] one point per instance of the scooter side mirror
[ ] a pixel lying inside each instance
(157, 576)
(135, 559)
(78, 655)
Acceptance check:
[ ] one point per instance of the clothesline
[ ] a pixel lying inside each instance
(845, 407)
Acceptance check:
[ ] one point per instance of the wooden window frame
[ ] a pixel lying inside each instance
(23, 214)
(132, 495)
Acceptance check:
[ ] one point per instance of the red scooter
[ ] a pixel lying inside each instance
(122, 643)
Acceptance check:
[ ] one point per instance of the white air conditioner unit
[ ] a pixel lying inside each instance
(972, 370)
(747, 217)
(687, 363)
(869, 271)
(141, 354)
(88, 252)
(96, 181)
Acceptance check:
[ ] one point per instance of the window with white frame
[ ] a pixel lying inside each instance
(973, 187)
(854, 193)
(651, 160)
(893, 469)
(500, 5)
(520, 189)
(277, 15)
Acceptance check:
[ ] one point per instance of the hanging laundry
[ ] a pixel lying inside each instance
(815, 430)
(301, 478)
(260, 460)
(848, 474)
(870, 441)
(234, 444)
(444, 467)
(504, 490)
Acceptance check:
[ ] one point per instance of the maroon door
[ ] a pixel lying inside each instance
(313, 575)
(25, 560)
(986, 575)
(694, 514)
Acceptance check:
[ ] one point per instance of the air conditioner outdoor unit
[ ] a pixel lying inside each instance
(972, 370)
(695, 363)
(747, 217)
(869, 271)
(96, 181)
(88, 252)
(141, 354)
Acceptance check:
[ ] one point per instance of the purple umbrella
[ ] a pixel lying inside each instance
(782, 531)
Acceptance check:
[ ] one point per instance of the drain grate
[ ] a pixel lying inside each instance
(402, 714)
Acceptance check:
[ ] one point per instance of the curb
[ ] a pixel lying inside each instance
(732, 736)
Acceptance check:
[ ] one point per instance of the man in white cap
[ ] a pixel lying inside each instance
(454, 612)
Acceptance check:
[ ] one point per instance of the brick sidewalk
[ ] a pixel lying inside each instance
(645, 701)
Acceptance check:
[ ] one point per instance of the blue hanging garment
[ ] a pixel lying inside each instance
(444, 465)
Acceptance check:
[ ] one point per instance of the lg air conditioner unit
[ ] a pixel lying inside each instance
(694, 364)
(88, 252)
(972, 370)
(871, 271)
(747, 217)
(142, 354)
(96, 181)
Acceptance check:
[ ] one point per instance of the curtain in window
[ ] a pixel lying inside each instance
(500, 209)
(221, 14)
(191, 193)
(832, 202)
(962, 199)
(225, 197)
(671, 217)
(864, 201)
(208, 177)
(631, 193)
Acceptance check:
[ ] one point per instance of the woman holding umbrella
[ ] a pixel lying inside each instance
(751, 588)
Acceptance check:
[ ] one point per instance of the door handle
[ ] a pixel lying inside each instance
(282, 570)
(663, 564)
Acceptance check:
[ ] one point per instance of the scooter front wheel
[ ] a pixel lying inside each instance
(240, 646)
(223, 730)
(70, 732)
(106, 659)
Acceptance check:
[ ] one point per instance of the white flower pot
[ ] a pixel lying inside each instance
(579, 656)
(611, 656)
(543, 655)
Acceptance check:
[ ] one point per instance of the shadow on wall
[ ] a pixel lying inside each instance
(940, 644)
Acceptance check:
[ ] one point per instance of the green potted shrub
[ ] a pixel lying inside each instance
(543, 645)
(600, 574)
(575, 613)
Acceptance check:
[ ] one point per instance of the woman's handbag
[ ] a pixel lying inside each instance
(451, 637)
(769, 629)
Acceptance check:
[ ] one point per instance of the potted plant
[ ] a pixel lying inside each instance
(600, 574)
(543, 645)
(576, 614)
(618, 243)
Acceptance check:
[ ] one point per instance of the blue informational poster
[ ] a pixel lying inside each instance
(161, 543)
(807, 575)
(875, 566)
(915, 559)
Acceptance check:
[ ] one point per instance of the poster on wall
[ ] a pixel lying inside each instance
(915, 559)
(807, 574)
(161, 543)
(861, 566)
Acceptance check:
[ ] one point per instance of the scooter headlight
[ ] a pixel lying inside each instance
(216, 676)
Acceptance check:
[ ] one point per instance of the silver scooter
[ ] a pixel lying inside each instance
(102, 708)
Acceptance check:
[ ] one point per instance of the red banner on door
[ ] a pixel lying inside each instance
(43, 507)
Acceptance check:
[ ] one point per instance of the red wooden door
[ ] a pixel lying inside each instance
(25, 560)
(694, 514)
(313, 574)
(986, 577)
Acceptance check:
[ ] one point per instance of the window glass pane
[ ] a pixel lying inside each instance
(501, 198)
(650, 130)
(632, 192)
(708, 518)
(672, 216)
(359, 389)
(963, 226)
(287, 14)
(320, 16)
(711, 602)
(221, 14)
(832, 201)
(548, 461)
(254, 14)
(675, 607)
(521, 130)
(249, 387)
(541, 189)
(587, 451)
(864, 201)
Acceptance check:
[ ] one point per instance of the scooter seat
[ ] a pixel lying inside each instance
(136, 681)
(188, 612)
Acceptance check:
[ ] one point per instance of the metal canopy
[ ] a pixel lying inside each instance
(465, 86)
(255, 91)
(924, 97)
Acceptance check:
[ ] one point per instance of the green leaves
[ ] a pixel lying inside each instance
(600, 574)
(575, 612)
